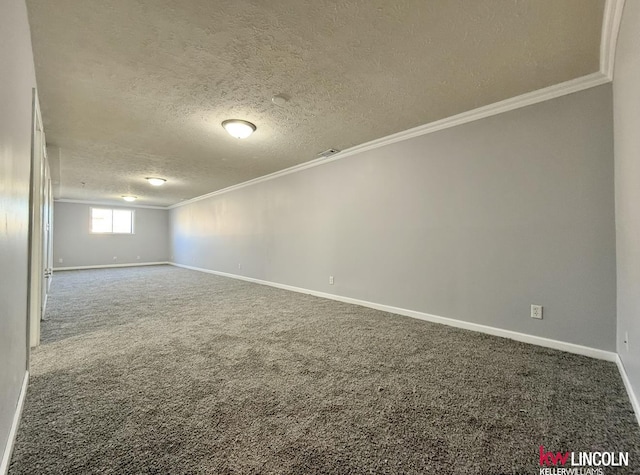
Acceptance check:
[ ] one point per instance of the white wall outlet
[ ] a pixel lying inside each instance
(138, 257)
(330, 280)
(60, 260)
(536, 311)
(626, 341)
(115, 257)
(239, 266)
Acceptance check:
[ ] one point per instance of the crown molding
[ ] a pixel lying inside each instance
(527, 99)
(612, 17)
(611, 20)
(106, 203)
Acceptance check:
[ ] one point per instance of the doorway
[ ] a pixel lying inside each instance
(40, 228)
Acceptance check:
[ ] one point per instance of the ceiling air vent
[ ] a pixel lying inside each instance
(328, 153)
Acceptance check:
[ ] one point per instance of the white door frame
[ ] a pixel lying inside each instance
(38, 208)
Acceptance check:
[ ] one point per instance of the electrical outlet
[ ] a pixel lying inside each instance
(239, 266)
(138, 257)
(536, 311)
(60, 260)
(626, 341)
(330, 280)
(115, 257)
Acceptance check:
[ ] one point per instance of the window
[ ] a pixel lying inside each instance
(111, 221)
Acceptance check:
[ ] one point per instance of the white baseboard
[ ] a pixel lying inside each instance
(8, 450)
(629, 388)
(107, 266)
(523, 337)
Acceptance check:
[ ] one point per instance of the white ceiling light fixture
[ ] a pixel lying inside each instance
(129, 198)
(156, 181)
(239, 129)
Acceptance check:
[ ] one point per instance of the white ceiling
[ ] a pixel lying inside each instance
(131, 89)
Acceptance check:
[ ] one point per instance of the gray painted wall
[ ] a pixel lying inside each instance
(474, 223)
(626, 95)
(17, 78)
(76, 246)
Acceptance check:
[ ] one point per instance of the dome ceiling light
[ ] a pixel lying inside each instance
(156, 181)
(129, 198)
(239, 129)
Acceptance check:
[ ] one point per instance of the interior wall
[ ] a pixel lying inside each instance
(626, 95)
(475, 223)
(77, 246)
(17, 79)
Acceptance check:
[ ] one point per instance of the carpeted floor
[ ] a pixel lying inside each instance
(161, 370)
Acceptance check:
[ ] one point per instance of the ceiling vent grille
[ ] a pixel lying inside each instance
(328, 153)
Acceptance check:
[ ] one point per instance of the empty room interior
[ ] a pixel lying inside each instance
(296, 237)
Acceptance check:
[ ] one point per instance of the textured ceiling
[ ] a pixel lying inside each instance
(131, 89)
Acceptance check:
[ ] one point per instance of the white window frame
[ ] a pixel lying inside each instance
(133, 221)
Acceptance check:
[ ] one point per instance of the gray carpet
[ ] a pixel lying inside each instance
(161, 370)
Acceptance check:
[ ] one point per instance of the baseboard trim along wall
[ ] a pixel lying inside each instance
(627, 385)
(8, 450)
(522, 337)
(107, 266)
